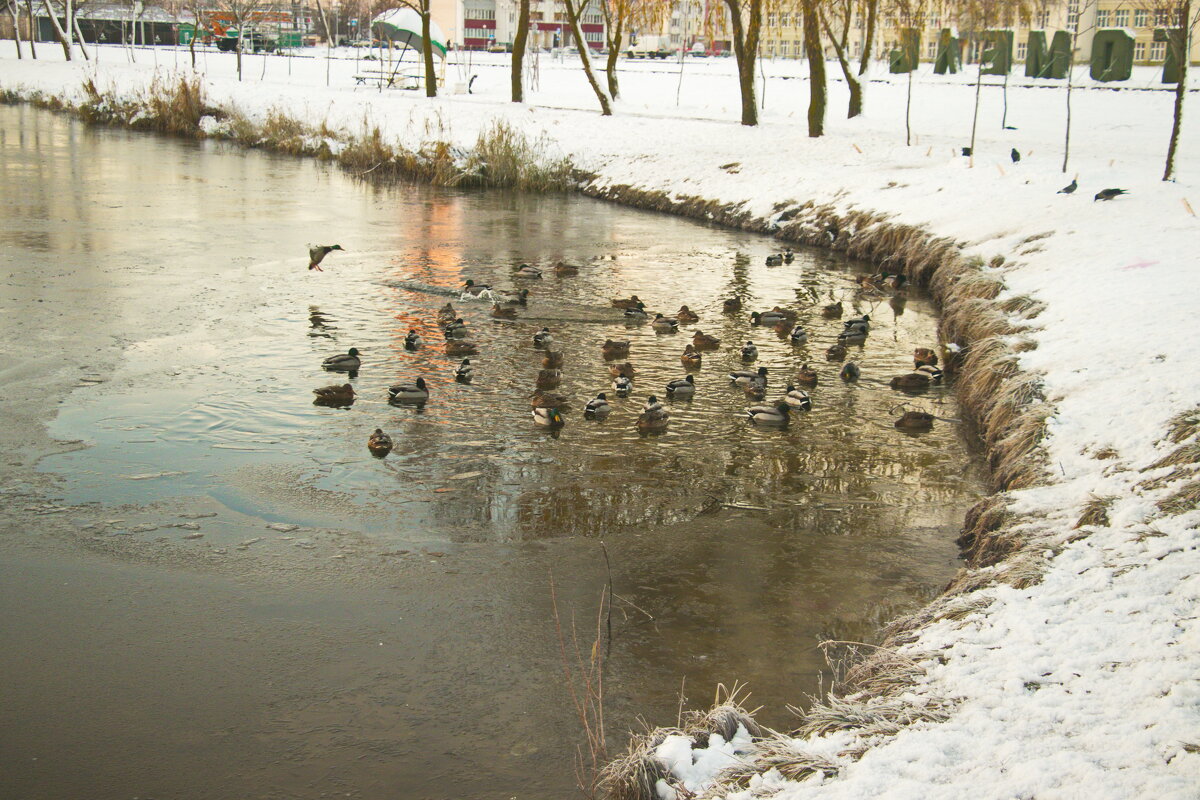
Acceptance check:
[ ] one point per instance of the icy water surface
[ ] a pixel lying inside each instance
(734, 547)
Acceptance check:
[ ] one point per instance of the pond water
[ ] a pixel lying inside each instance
(733, 547)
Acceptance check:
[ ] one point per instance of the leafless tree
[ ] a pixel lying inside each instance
(621, 16)
(744, 19)
(16, 21)
(573, 11)
(842, 12)
(815, 53)
(62, 33)
(518, 52)
(908, 15)
(872, 9)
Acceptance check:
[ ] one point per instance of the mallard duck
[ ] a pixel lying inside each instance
(622, 385)
(806, 376)
(833, 310)
(380, 444)
(547, 417)
(615, 349)
(702, 341)
(935, 374)
(691, 357)
(617, 370)
(798, 335)
(784, 326)
(731, 305)
(636, 313)
(446, 314)
(749, 352)
(334, 395)
(553, 359)
(912, 382)
(663, 324)
(549, 378)
(549, 400)
(317, 253)
(526, 271)
(520, 298)
(788, 255)
(923, 356)
(562, 269)
(348, 362)
(746, 377)
(465, 371)
(597, 407)
(652, 421)
(455, 329)
(503, 312)
(853, 337)
(867, 282)
(835, 352)
(542, 338)
(755, 391)
(797, 398)
(685, 314)
(862, 323)
(776, 414)
(631, 302)
(915, 421)
(409, 392)
(652, 404)
(767, 318)
(472, 289)
(850, 371)
(461, 347)
(412, 340)
(683, 387)
(775, 260)
(895, 282)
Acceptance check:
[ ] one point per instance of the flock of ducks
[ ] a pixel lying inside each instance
(547, 406)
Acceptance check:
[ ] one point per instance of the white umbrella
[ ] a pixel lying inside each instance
(404, 25)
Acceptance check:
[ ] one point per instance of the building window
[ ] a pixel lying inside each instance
(1073, 15)
(931, 51)
(1021, 49)
(1044, 20)
(771, 20)
(785, 20)
(480, 13)
(593, 36)
(1158, 50)
(1140, 17)
(1139, 51)
(1161, 17)
(785, 49)
(1121, 18)
(1102, 18)
(535, 16)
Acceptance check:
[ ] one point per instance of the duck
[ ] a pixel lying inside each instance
(652, 421)
(465, 371)
(457, 328)
(652, 404)
(317, 253)
(334, 395)
(683, 387)
(798, 335)
(542, 338)
(563, 269)
(636, 313)
(863, 323)
(851, 337)
(912, 382)
(755, 391)
(850, 371)
(631, 302)
(597, 407)
(868, 282)
(731, 305)
(833, 310)
(547, 417)
(797, 398)
(702, 341)
(446, 314)
(894, 282)
(788, 255)
(347, 362)
(413, 340)
(691, 357)
(664, 324)
(409, 392)
(835, 352)
(379, 443)
(553, 359)
(915, 421)
(520, 298)
(615, 349)
(768, 318)
(775, 414)
(549, 400)
(934, 373)
(923, 356)
(806, 376)
(472, 289)
(549, 378)
(749, 352)
(461, 347)
(775, 260)
(526, 271)
(746, 377)
(503, 312)
(685, 314)
(784, 326)
(617, 370)
(622, 385)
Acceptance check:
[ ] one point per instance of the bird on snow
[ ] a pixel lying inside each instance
(1016, 155)
(317, 253)
(1070, 187)
(1108, 194)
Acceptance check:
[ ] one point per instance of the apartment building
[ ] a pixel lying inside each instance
(484, 24)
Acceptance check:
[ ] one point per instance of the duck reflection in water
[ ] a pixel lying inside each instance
(320, 323)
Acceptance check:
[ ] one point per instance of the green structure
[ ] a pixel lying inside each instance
(1037, 55)
(997, 52)
(186, 32)
(947, 53)
(1176, 40)
(291, 39)
(1060, 55)
(905, 57)
(1112, 55)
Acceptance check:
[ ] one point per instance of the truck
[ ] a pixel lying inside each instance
(649, 46)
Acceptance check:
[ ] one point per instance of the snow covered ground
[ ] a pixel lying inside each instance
(1083, 685)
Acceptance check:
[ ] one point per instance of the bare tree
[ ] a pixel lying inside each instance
(621, 16)
(842, 11)
(909, 16)
(518, 52)
(13, 9)
(1075, 31)
(872, 9)
(32, 34)
(815, 53)
(745, 23)
(63, 36)
(983, 16)
(581, 44)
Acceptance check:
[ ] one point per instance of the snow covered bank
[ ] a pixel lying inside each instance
(1064, 663)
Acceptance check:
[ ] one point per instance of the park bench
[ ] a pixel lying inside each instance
(389, 79)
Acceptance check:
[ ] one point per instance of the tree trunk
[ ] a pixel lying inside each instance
(908, 108)
(1180, 44)
(745, 49)
(816, 69)
(58, 31)
(975, 116)
(518, 53)
(32, 33)
(328, 42)
(1004, 115)
(17, 30)
(615, 39)
(238, 49)
(869, 37)
(79, 35)
(852, 81)
(195, 34)
(427, 48)
(581, 43)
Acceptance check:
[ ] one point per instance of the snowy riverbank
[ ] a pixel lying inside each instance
(1081, 683)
